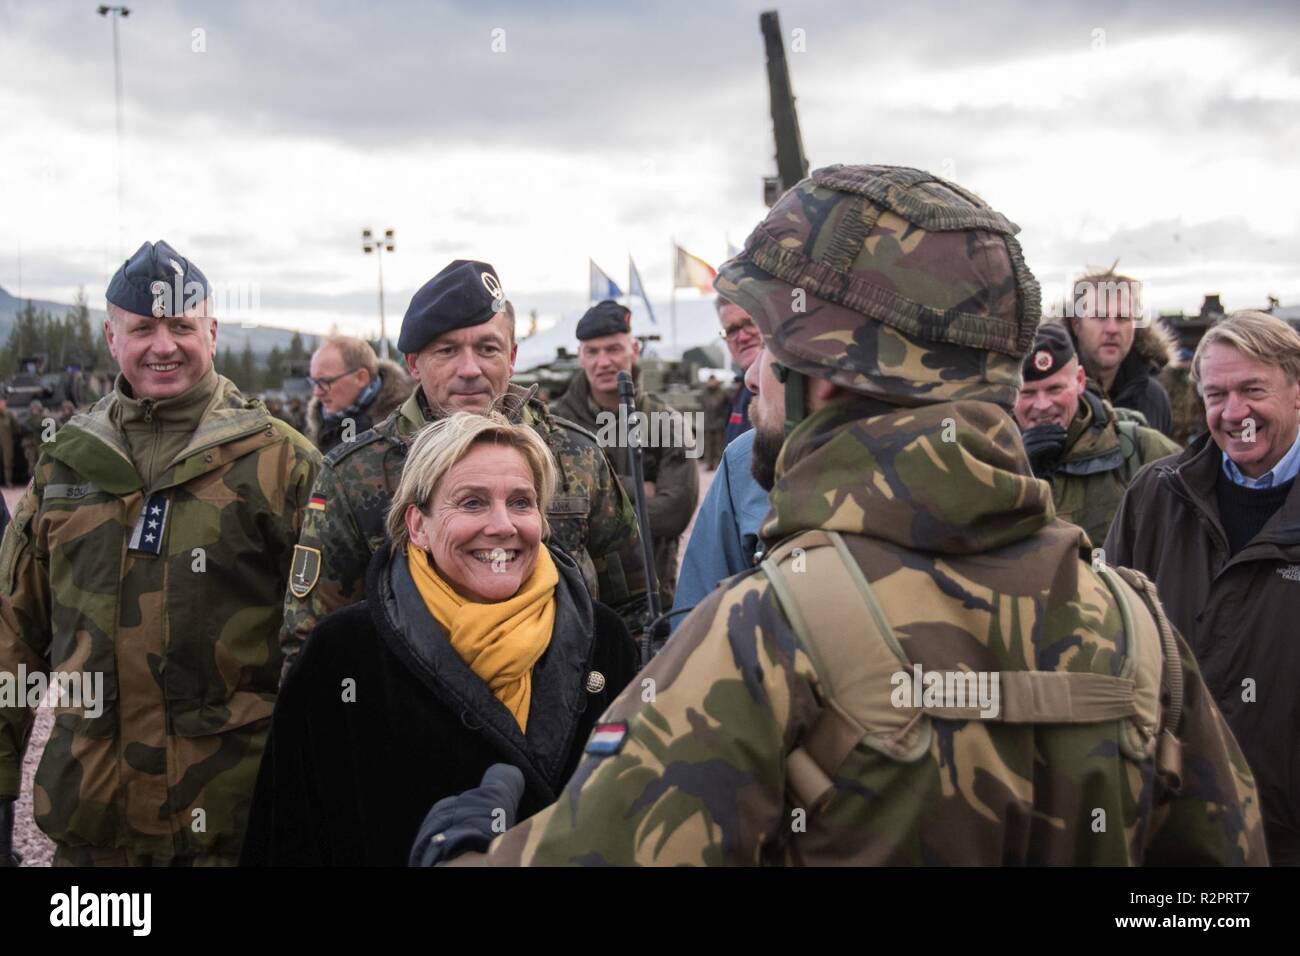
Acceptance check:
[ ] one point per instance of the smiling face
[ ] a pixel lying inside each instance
(1053, 400)
(603, 357)
(1248, 399)
(744, 341)
(466, 370)
(483, 526)
(161, 357)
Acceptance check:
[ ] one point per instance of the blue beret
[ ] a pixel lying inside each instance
(157, 281)
(465, 293)
(604, 318)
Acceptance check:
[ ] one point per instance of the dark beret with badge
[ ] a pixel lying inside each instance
(604, 318)
(463, 294)
(157, 281)
(1051, 352)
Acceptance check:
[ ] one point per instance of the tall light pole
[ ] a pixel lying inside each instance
(117, 13)
(379, 247)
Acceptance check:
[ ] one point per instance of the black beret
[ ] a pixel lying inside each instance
(465, 293)
(604, 318)
(157, 281)
(1052, 351)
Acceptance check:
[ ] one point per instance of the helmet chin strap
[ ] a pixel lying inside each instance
(796, 395)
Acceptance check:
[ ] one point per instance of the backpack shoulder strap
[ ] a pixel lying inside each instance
(1130, 441)
(1153, 636)
(820, 587)
(858, 658)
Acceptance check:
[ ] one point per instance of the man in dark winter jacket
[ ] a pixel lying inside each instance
(352, 390)
(1121, 349)
(1217, 527)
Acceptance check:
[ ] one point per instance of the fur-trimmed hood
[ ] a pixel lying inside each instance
(395, 390)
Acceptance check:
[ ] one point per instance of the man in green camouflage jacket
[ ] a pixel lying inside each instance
(605, 348)
(1076, 439)
(458, 339)
(795, 718)
(148, 561)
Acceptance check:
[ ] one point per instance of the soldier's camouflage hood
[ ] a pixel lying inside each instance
(92, 440)
(947, 479)
(891, 282)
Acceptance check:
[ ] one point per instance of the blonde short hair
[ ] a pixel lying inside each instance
(1259, 335)
(441, 445)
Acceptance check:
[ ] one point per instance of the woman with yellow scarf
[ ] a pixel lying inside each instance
(477, 644)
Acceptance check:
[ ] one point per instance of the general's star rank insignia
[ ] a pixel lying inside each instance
(305, 570)
(147, 536)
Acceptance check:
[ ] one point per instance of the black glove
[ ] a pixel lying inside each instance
(8, 856)
(464, 823)
(1044, 444)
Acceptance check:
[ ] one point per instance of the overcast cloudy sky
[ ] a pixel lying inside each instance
(1165, 134)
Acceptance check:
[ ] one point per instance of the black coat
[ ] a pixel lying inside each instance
(349, 782)
(1237, 612)
(1135, 388)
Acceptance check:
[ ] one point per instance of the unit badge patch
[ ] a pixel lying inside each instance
(305, 570)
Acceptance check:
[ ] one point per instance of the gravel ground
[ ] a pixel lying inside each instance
(35, 848)
(28, 838)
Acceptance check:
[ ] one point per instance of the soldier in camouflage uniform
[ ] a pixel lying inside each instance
(717, 410)
(9, 432)
(458, 338)
(32, 434)
(152, 550)
(794, 717)
(605, 348)
(1076, 439)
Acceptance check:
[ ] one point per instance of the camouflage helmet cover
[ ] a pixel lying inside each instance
(952, 306)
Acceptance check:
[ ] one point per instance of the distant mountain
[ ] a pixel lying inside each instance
(229, 334)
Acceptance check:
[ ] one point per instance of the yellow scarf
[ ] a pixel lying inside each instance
(500, 641)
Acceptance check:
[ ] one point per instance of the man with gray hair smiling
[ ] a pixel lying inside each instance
(1217, 527)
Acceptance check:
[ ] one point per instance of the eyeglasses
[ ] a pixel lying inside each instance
(325, 384)
(730, 333)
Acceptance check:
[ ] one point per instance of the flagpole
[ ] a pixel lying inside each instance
(672, 292)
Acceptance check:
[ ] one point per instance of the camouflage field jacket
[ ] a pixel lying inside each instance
(972, 572)
(173, 594)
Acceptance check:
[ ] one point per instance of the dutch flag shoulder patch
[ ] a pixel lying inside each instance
(607, 739)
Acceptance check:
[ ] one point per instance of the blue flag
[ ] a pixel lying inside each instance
(602, 286)
(636, 287)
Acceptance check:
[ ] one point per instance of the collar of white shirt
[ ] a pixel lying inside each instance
(1279, 474)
